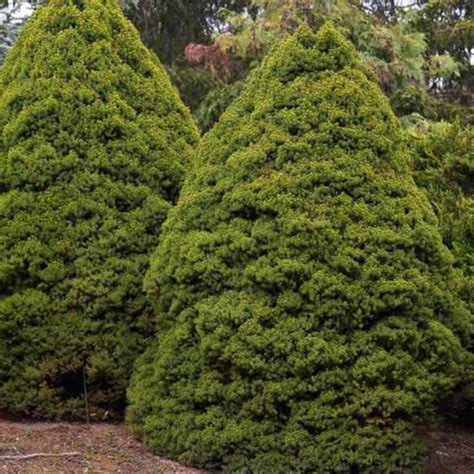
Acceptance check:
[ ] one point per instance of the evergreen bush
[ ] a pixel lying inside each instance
(94, 144)
(307, 306)
(444, 168)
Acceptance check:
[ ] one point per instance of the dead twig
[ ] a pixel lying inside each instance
(37, 455)
(466, 446)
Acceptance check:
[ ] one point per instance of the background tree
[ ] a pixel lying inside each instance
(448, 27)
(168, 26)
(94, 144)
(308, 310)
(444, 167)
(392, 39)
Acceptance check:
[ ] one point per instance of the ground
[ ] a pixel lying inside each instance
(106, 448)
(452, 450)
(98, 448)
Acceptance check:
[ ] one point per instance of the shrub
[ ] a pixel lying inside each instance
(444, 167)
(94, 143)
(307, 307)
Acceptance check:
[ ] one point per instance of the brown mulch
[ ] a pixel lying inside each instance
(102, 448)
(108, 448)
(452, 450)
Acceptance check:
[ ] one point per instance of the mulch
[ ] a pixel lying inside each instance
(100, 448)
(452, 450)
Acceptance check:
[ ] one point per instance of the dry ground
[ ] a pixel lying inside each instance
(107, 448)
(100, 448)
(452, 450)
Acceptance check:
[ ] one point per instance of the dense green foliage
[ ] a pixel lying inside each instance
(94, 143)
(215, 103)
(308, 310)
(444, 167)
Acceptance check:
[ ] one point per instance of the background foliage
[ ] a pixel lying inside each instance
(421, 50)
(417, 67)
(444, 167)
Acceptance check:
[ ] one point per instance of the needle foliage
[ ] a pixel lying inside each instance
(94, 144)
(308, 312)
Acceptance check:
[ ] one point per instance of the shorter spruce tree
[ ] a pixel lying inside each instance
(94, 144)
(308, 312)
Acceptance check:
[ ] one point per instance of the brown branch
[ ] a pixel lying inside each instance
(36, 455)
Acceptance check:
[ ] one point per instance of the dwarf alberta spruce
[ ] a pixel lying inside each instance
(94, 144)
(308, 310)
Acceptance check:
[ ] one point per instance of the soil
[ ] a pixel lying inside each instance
(452, 450)
(107, 448)
(99, 448)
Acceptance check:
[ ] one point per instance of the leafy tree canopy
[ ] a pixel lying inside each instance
(415, 67)
(167, 26)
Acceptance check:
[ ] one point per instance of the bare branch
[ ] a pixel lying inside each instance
(37, 455)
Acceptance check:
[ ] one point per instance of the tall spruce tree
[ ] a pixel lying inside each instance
(94, 143)
(307, 306)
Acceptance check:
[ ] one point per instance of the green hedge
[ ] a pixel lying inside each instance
(94, 144)
(307, 306)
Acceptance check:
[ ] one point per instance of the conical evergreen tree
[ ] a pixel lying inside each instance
(307, 305)
(94, 143)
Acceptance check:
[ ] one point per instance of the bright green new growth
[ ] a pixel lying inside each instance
(307, 305)
(94, 143)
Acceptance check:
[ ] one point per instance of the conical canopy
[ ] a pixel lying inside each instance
(307, 305)
(94, 144)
